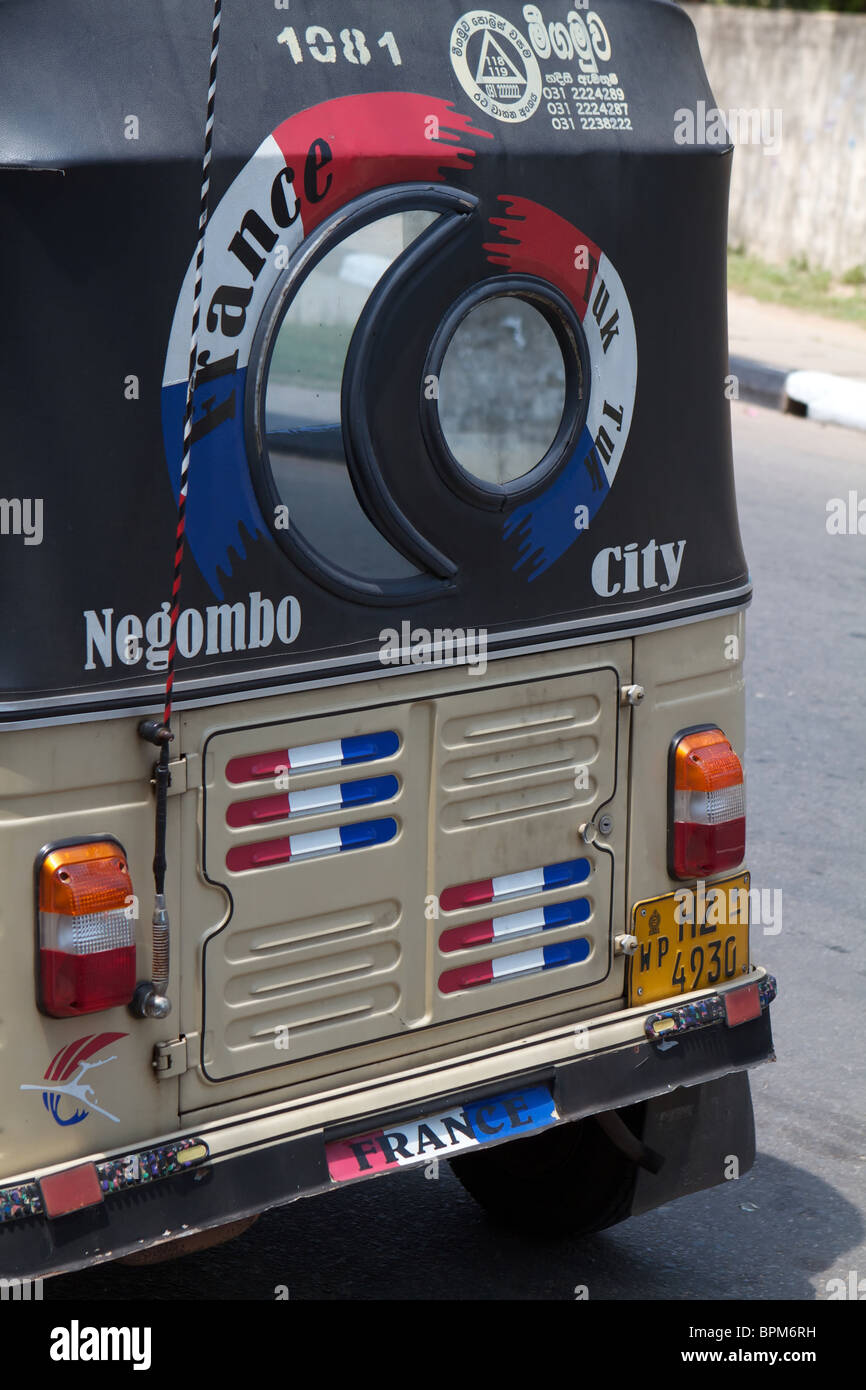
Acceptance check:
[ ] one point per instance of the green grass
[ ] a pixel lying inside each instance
(800, 287)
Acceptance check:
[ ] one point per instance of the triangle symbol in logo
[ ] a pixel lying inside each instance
(496, 72)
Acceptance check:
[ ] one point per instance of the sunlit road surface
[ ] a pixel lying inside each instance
(797, 1219)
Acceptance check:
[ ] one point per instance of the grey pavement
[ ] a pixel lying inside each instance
(794, 340)
(798, 362)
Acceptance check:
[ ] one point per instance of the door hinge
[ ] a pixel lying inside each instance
(184, 772)
(170, 1058)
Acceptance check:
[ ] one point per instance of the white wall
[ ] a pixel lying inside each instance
(809, 199)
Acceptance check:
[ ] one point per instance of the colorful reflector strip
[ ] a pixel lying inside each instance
(442, 1135)
(523, 963)
(149, 1165)
(714, 1008)
(315, 799)
(24, 1199)
(311, 845)
(490, 890)
(312, 757)
(113, 1175)
(514, 924)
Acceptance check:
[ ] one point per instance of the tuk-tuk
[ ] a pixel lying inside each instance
(373, 619)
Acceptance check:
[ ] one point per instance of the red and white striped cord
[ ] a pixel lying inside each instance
(151, 1000)
(191, 376)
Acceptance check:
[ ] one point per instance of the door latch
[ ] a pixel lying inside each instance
(631, 694)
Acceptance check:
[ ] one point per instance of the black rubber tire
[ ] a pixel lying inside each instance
(568, 1180)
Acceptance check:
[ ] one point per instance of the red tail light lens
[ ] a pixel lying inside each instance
(708, 806)
(86, 929)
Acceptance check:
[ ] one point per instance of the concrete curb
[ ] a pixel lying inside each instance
(834, 400)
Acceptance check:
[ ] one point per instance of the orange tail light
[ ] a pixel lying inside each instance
(86, 928)
(707, 831)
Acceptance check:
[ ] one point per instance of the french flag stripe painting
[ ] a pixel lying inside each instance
(312, 844)
(491, 890)
(311, 801)
(313, 757)
(509, 967)
(513, 924)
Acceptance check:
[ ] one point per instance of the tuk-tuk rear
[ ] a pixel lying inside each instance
(432, 362)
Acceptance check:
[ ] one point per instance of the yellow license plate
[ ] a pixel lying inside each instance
(692, 939)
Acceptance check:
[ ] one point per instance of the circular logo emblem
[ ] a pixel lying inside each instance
(496, 66)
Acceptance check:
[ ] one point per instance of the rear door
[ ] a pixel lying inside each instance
(378, 879)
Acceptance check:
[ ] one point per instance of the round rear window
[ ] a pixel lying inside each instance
(501, 390)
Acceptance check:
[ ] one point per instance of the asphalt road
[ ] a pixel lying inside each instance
(797, 1219)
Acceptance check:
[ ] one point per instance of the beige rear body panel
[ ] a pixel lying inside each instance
(66, 783)
(341, 951)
